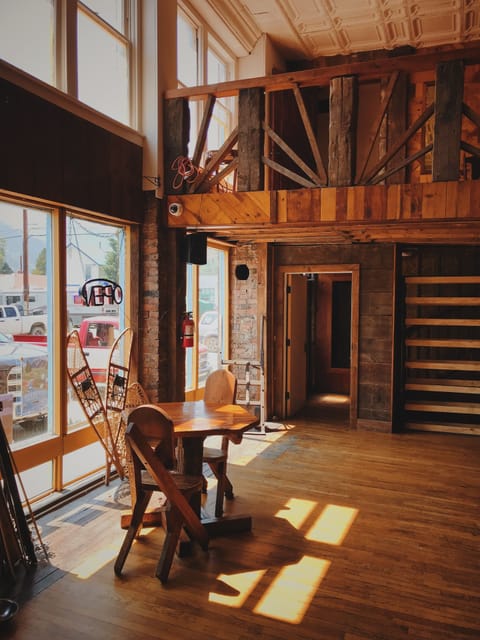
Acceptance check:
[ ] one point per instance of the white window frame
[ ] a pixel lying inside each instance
(65, 52)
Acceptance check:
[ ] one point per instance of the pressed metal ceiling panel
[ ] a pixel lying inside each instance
(309, 29)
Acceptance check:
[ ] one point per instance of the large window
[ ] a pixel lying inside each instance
(207, 298)
(83, 48)
(202, 59)
(46, 256)
(103, 57)
(27, 36)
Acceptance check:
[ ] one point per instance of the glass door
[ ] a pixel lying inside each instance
(207, 298)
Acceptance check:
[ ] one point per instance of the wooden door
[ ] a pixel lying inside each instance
(296, 342)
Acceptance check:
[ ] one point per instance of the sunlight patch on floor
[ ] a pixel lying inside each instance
(332, 525)
(291, 592)
(239, 586)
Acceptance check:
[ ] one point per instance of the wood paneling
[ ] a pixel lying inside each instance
(435, 212)
(49, 153)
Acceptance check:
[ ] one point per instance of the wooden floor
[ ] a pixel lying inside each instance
(356, 536)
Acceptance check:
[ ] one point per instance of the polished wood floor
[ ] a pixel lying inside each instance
(356, 536)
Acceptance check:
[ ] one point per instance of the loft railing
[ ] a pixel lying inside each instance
(255, 154)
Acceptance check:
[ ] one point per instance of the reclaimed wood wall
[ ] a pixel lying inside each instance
(377, 203)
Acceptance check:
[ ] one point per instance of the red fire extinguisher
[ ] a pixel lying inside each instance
(188, 330)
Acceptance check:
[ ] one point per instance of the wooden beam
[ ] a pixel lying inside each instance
(448, 120)
(310, 135)
(251, 114)
(202, 134)
(291, 154)
(342, 147)
(377, 122)
(402, 164)
(396, 124)
(288, 173)
(419, 122)
(176, 132)
(424, 59)
(216, 159)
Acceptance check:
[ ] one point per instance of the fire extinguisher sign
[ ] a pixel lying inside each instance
(188, 330)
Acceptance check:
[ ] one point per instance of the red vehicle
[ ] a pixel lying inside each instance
(97, 335)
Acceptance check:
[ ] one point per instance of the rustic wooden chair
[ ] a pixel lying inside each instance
(154, 470)
(220, 387)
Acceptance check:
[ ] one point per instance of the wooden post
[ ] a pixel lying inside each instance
(176, 132)
(251, 113)
(343, 129)
(448, 120)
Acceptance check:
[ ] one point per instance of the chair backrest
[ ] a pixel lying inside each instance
(220, 387)
(144, 418)
(154, 424)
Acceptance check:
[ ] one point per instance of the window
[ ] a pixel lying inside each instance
(84, 48)
(201, 59)
(27, 36)
(39, 408)
(103, 58)
(207, 297)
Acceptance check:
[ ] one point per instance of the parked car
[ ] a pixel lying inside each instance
(13, 321)
(97, 335)
(208, 330)
(24, 376)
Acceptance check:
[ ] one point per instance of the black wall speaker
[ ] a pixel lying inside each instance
(194, 248)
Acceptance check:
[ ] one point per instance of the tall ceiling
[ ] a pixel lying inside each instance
(310, 29)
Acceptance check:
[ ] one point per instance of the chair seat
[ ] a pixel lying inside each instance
(186, 484)
(210, 454)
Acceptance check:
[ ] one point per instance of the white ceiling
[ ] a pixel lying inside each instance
(309, 29)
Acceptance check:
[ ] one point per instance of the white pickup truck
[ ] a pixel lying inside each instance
(13, 322)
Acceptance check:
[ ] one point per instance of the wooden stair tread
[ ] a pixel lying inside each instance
(459, 301)
(447, 427)
(447, 365)
(443, 342)
(444, 407)
(442, 279)
(443, 322)
(443, 386)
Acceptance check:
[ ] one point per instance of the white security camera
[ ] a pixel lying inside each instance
(175, 209)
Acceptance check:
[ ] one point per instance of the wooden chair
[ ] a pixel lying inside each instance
(154, 470)
(220, 387)
(135, 396)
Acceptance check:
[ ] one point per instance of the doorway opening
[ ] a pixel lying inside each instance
(320, 354)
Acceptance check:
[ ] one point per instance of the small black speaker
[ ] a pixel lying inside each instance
(194, 248)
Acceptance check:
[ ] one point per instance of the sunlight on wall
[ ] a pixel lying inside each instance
(291, 592)
(242, 583)
(332, 525)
